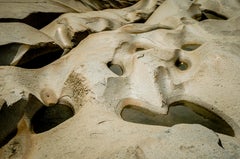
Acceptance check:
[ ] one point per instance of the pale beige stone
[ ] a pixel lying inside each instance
(170, 58)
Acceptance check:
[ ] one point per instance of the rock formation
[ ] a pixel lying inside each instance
(122, 79)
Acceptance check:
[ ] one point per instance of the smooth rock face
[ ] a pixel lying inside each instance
(154, 57)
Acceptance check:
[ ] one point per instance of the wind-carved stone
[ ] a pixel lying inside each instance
(153, 80)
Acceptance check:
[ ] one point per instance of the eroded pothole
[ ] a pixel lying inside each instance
(179, 112)
(47, 118)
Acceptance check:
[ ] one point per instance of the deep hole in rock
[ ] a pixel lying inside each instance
(214, 15)
(220, 143)
(36, 20)
(115, 68)
(209, 14)
(40, 19)
(9, 118)
(141, 20)
(181, 65)
(78, 37)
(190, 47)
(49, 117)
(40, 56)
(8, 53)
(140, 49)
(179, 112)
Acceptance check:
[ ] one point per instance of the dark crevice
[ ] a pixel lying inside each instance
(39, 20)
(179, 112)
(39, 56)
(141, 20)
(220, 143)
(181, 65)
(108, 4)
(9, 118)
(213, 15)
(35, 57)
(8, 52)
(78, 37)
(49, 117)
(209, 14)
(140, 49)
(36, 20)
(8, 137)
(115, 68)
(190, 47)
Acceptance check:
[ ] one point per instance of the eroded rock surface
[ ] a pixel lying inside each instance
(152, 80)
